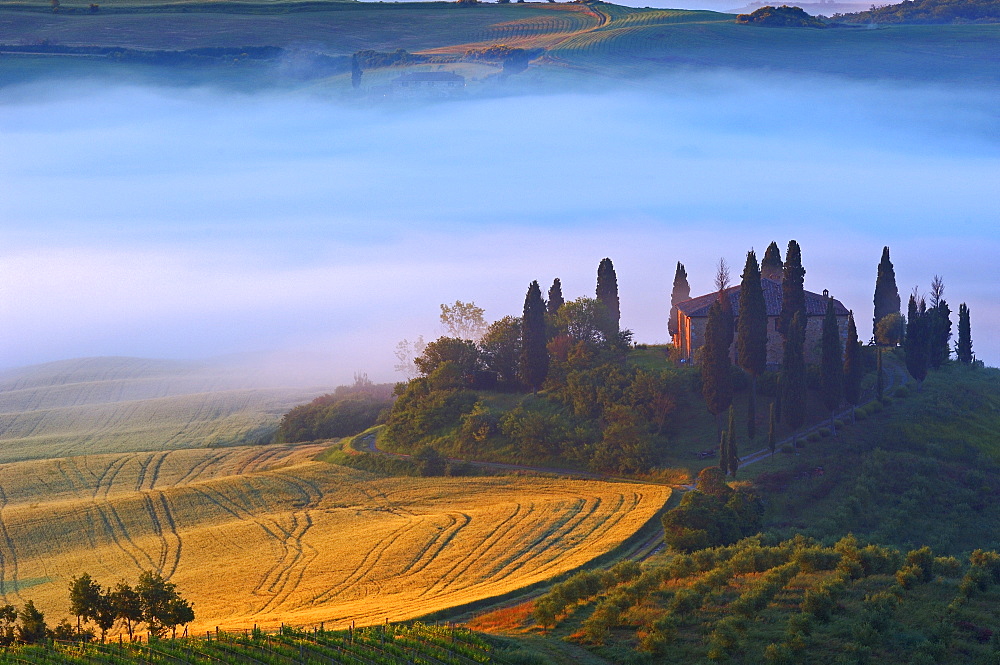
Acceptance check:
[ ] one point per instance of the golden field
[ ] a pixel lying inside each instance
(265, 534)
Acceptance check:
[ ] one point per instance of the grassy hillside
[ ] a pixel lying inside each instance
(580, 40)
(99, 405)
(265, 535)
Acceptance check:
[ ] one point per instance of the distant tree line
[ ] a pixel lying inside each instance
(928, 11)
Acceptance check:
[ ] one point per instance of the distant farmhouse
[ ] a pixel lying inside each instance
(428, 84)
(692, 316)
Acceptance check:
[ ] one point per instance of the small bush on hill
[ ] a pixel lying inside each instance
(780, 17)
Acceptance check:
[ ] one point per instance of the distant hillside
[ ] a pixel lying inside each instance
(928, 12)
(99, 405)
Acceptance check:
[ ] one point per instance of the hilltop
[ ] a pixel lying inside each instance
(310, 45)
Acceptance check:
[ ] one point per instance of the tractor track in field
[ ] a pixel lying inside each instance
(8, 560)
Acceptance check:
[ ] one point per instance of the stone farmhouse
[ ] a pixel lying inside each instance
(692, 317)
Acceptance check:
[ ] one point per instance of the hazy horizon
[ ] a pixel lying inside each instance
(194, 223)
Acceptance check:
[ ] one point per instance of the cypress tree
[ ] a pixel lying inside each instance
(734, 456)
(724, 452)
(939, 325)
(853, 369)
(534, 365)
(680, 293)
(831, 363)
(886, 293)
(793, 294)
(772, 425)
(716, 380)
(607, 299)
(555, 297)
(793, 374)
(772, 265)
(917, 343)
(751, 333)
(964, 348)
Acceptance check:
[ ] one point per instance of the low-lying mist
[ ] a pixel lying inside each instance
(192, 223)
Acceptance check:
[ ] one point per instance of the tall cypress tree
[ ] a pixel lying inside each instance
(886, 293)
(939, 325)
(917, 342)
(724, 452)
(731, 450)
(534, 365)
(793, 293)
(964, 348)
(853, 369)
(793, 374)
(831, 363)
(555, 297)
(716, 379)
(607, 299)
(772, 265)
(680, 293)
(772, 426)
(751, 334)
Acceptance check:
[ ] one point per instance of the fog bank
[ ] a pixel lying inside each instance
(191, 223)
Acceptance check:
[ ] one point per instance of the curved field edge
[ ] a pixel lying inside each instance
(265, 535)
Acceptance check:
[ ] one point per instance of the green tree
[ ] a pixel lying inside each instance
(793, 374)
(500, 351)
(127, 606)
(724, 452)
(831, 363)
(917, 343)
(178, 613)
(886, 294)
(681, 291)
(793, 295)
(32, 628)
(462, 352)
(8, 625)
(463, 320)
(772, 265)
(159, 599)
(751, 334)
(555, 297)
(853, 369)
(716, 377)
(963, 350)
(607, 298)
(534, 362)
(85, 597)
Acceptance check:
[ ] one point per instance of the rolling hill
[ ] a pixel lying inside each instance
(101, 405)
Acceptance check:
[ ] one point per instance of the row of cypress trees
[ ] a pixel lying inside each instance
(840, 372)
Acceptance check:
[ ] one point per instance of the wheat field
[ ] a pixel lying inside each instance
(266, 535)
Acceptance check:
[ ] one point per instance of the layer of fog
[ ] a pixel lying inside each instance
(191, 223)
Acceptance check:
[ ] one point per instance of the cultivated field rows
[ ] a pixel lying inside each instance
(265, 535)
(99, 405)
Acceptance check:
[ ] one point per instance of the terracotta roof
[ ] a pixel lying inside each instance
(815, 303)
